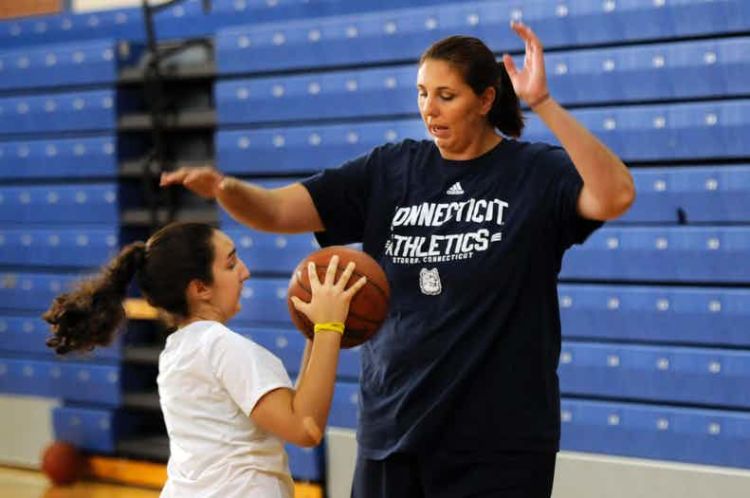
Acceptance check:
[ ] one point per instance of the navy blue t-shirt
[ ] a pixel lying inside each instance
(468, 354)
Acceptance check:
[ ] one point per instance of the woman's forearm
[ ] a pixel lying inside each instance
(608, 185)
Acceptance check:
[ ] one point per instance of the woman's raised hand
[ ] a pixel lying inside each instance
(529, 83)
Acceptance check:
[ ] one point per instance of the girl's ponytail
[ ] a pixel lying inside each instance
(89, 315)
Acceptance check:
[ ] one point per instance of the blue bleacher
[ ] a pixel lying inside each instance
(656, 314)
(80, 157)
(82, 63)
(665, 131)
(711, 437)
(692, 69)
(666, 374)
(55, 203)
(404, 33)
(654, 307)
(699, 194)
(673, 254)
(305, 149)
(271, 253)
(92, 110)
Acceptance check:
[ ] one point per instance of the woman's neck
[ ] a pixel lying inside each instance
(485, 143)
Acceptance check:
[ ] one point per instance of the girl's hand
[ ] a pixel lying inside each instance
(330, 301)
(530, 83)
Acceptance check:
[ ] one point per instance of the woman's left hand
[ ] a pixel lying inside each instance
(530, 83)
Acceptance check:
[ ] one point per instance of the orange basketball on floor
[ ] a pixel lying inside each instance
(368, 308)
(62, 463)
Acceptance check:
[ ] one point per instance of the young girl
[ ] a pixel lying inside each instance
(228, 403)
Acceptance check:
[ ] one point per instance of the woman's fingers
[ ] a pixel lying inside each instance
(510, 66)
(172, 178)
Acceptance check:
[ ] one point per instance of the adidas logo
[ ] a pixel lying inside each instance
(455, 189)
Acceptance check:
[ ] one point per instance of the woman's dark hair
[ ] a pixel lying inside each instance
(89, 315)
(480, 70)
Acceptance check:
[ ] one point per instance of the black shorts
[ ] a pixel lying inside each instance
(444, 474)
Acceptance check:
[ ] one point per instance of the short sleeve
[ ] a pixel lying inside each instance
(341, 197)
(565, 189)
(246, 370)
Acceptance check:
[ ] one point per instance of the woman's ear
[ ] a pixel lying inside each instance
(487, 99)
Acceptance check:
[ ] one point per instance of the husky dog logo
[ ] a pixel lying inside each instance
(429, 282)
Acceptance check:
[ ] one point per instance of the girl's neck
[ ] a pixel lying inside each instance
(208, 314)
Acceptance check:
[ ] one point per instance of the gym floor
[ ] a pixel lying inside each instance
(20, 483)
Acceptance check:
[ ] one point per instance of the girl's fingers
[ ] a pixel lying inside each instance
(312, 274)
(333, 266)
(345, 276)
(299, 304)
(355, 288)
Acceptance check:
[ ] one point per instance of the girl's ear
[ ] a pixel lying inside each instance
(197, 290)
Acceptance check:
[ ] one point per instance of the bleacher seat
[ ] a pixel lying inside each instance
(30, 376)
(341, 94)
(94, 429)
(710, 437)
(402, 34)
(82, 247)
(656, 314)
(699, 194)
(265, 253)
(706, 68)
(345, 406)
(264, 302)
(28, 334)
(673, 254)
(580, 76)
(54, 203)
(664, 131)
(33, 291)
(306, 464)
(665, 374)
(286, 343)
(305, 149)
(60, 112)
(80, 157)
(83, 63)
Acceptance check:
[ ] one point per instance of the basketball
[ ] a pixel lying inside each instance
(368, 307)
(62, 463)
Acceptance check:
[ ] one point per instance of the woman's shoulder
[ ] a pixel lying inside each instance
(539, 154)
(405, 148)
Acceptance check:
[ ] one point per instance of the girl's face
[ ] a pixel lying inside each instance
(229, 274)
(455, 116)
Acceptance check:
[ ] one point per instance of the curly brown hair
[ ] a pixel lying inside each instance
(91, 313)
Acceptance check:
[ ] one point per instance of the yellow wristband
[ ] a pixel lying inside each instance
(330, 327)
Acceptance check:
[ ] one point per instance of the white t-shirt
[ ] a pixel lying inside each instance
(210, 379)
